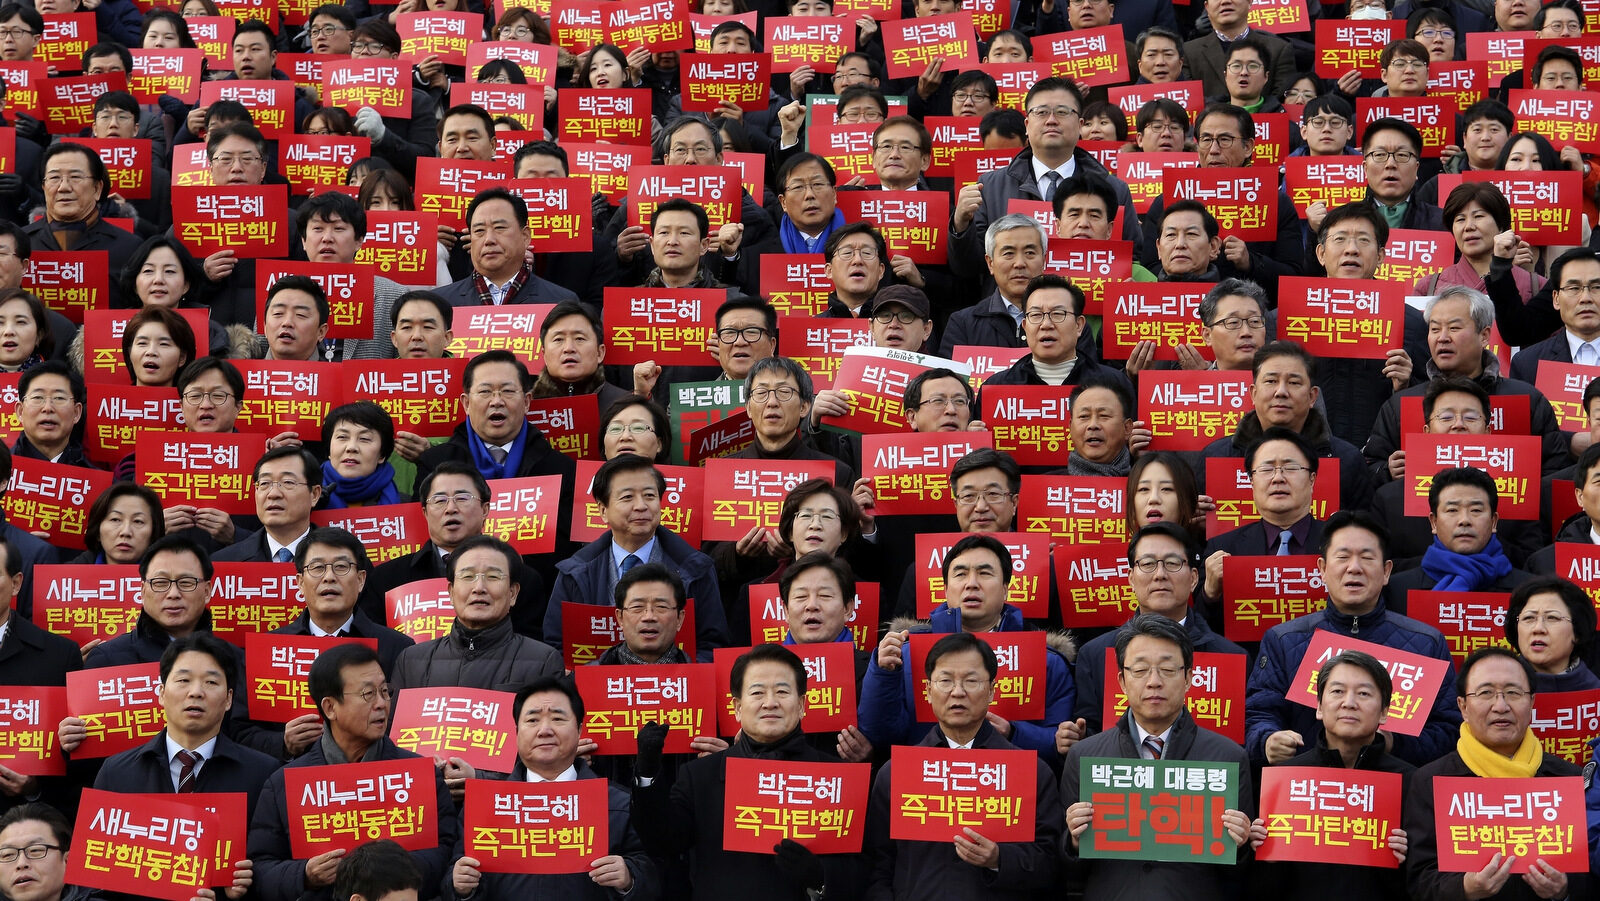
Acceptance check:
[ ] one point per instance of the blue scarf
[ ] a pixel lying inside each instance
(795, 242)
(485, 463)
(375, 488)
(1451, 571)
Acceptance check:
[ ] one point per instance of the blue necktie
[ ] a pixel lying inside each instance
(284, 555)
(1283, 543)
(629, 562)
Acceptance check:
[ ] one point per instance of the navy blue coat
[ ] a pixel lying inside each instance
(146, 770)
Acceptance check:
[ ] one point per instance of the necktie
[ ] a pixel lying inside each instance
(342, 633)
(1155, 746)
(498, 454)
(186, 775)
(629, 562)
(1586, 355)
(1283, 543)
(284, 555)
(1051, 180)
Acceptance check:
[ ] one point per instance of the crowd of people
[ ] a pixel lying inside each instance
(1484, 324)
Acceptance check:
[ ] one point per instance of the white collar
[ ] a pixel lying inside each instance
(570, 774)
(343, 627)
(1574, 342)
(273, 546)
(1065, 170)
(205, 751)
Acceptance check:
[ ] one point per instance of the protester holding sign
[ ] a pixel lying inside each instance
(1466, 554)
(1551, 623)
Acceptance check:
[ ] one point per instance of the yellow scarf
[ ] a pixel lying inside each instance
(1484, 762)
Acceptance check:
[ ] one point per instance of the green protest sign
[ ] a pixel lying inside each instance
(1158, 809)
(695, 405)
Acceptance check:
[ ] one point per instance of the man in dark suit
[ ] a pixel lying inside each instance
(1283, 470)
(288, 483)
(198, 673)
(454, 500)
(29, 656)
(502, 273)
(628, 489)
(1207, 55)
(351, 692)
(1579, 340)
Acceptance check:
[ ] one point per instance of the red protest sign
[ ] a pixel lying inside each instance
(560, 218)
(191, 166)
(847, 146)
(52, 498)
(420, 609)
(769, 626)
(910, 473)
(611, 116)
(117, 415)
(86, 604)
(570, 424)
(1093, 585)
(514, 328)
(621, 699)
(951, 135)
(522, 102)
(206, 470)
(348, 287)
(1028, 590)
(8, 150)
(1187, 410)
(304, 69)
(1413, 254)
(28, 719)
(830, 686)
(1469, 620)
(818, 42)
(936, 792)
(656, 24)
(1330, 180)
(1019, 688)
(910, 45)
(588, 631)
(752, 171)
(251, 221)
(1344, 318)
(670, 326)
(1233, 493)
(1522, 820)
(1094, 266)
(446, 35)
(213, 35)
(127, 164)
(1091, 56)
(1563, 117)
(680, 503)
(577, 26)
(523, 512)
(64, 40)
(383, 84)
(743, 494)
(818, 344)
(1279, 16)
(1508, 414)
(716, 190)
(1416, 678)
(338, 807)
(877, 10)
(477, 725)
(157, 845)
(253, 598)
(605, 166)
(1461, 83)
(1215, 698)
(1542, 204)
(536, 827)
(1014, 80)
(1262, 592)
(912, 222)
(120, 707)
(1320, 815)
(278, 666)
(973, 164)
(1029, 422)
(1566, 722)
(1563, 385)
(742, 79)
(986, 361)
(1167, 313)
(446, 186)
(820, 805)
(1344, 45)
(1244, 201)
(1131, 98)
(270, 102)
(1074, 509)
(71, 282)
(873, 380)
(286, 395)
(1505, 457)
(537, 61)
(401, 245)
(387, 531)
(246, 10)
(723, 438)
(1434, 118)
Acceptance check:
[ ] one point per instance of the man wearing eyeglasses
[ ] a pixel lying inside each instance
(857, 262)
(1391, 150)
(747, 332)
(1495, 698)
(778, 397)
(400, 140)
(200, 674)
(288, 483)
(238, 155)
(1207, 55)
(1163, 571)
(481, 650)
(348, 686)
(455, 502)
(977, 570)
(1282, 466)
(629, 488)
(49, 406)
(75, 182)
(1154, 660)
(34, 841)
(1053, 323)
(1355, 566)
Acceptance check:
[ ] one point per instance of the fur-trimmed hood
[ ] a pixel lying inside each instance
(1056, 640)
